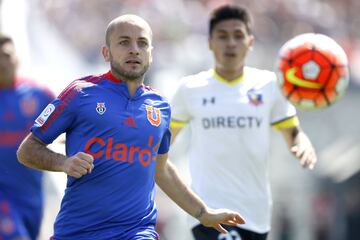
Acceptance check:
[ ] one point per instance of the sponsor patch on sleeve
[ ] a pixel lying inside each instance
(41, 119)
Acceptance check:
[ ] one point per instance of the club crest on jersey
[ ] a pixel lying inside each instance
(100, 108)
(153, 115)
(255, 98)
(44, 115)
(29, 105)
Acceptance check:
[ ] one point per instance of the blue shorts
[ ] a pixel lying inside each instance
(138, 233)
(15, 223)
(143, 236)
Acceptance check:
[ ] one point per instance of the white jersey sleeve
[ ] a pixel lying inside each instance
(179, 105)
(282, 109)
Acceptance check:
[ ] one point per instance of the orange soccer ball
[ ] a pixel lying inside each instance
(312, 71)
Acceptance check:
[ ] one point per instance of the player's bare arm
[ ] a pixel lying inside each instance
(174, 132)
(35, 154)
(168, 179)
(300, 145)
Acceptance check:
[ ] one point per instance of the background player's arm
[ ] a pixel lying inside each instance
(35, 154)
(300, 145)
(169, 181)
(174, 132)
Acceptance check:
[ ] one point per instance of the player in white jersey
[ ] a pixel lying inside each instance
(231, 110)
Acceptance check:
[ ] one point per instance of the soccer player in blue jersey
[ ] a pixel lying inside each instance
(21, 199)
(117, 139)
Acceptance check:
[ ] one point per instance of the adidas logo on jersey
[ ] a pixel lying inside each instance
(130, 122)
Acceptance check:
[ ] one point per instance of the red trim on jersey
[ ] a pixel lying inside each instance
(92, 79)
(21, 80)
(67, 90)
(18, 81)
(68, 94)
(32, 83)
(146, 87)
(112, 78)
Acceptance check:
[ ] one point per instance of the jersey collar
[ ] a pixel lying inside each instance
(221, 79)
(139, 91)
(112, 78)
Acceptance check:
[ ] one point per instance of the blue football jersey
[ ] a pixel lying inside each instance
(19, 185)
(124, 134)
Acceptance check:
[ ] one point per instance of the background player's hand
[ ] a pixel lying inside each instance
(79, 164)
(215, 217)
(305, 152)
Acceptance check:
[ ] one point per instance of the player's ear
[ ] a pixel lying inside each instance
(251, 42)
(209, 43)
(106, 53)
(16, 62)
(151, 54)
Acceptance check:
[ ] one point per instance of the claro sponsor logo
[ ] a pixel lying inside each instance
(122, 152)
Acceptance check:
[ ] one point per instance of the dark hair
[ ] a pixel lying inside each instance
(227, 12)
(5, 39)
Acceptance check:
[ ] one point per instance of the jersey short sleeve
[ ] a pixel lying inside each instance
(179, 104)
(56, 118)
(282, 109)
(165, 142)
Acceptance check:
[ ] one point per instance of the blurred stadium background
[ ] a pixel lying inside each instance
(59, 41)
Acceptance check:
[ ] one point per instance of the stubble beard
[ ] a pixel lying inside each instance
(128, 75)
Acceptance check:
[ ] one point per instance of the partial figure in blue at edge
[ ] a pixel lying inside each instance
(21, 196)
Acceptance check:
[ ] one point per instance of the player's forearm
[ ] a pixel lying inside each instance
(291, 135)
(295, 136)
(171, 183)
(34, 153)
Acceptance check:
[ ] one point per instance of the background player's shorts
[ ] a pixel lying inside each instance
(204, 233)
(15, 224)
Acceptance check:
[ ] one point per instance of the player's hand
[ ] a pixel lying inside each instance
(306, 154)
(215, 217)
(79, 164)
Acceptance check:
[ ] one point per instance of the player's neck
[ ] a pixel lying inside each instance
(229, 75)
(6, 83)
(133, 86)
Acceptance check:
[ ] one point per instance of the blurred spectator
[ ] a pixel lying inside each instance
(285, 225)
(352, 207)
(324, 213)
(276, 22)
